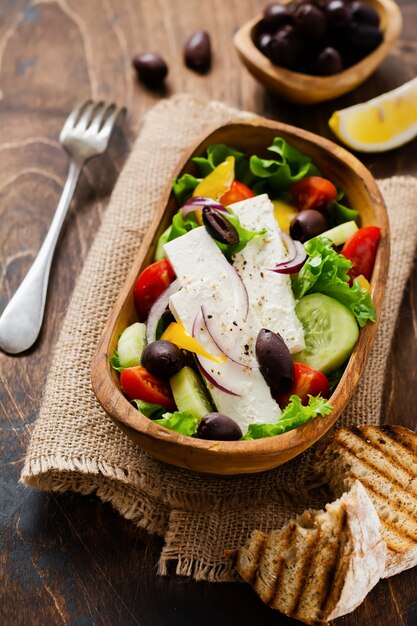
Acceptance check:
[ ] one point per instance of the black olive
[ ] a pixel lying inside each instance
(219, 227)
(364, 37)
(197, 51)
(275, 16)
(219, 427)
(328, 62)
(274, 360)
(338, 13)
(150, 67)
(263, 41)
(162, 358)
(364, 13)
(284, 48)
(307, 224)
(310, 21)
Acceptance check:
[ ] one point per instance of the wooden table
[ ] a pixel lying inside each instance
(70, 559)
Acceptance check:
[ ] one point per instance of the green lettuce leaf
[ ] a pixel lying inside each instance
(153, 411)
(339, 214)
(182, 225)
(294, 415)
(180, 421)
(184, 186)
(326, 271)
(269, 176)
(115, 362)
(275, 175)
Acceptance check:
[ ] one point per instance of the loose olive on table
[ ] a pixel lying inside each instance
(197, 51)
(150, 67)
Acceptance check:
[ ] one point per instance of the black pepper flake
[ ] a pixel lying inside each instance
(209, 317)
(262, 274)
(234, 323)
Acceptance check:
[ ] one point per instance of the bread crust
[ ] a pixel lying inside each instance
(282, 566)
(384, 458)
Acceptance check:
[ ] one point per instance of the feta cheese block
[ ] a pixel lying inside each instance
(270, 294)
(210, 285)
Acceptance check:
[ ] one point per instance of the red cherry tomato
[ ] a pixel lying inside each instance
(361, 250)
(150, 284)
(306, 381)
(139, 384)
(312, 192)
(237, 192)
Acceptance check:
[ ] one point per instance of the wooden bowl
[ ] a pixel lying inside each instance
(219, 457)
(306, 89)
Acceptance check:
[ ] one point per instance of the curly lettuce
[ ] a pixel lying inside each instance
(326, 271)
(294, 415)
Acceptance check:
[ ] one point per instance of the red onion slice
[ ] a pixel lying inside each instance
(226, 340)
(158, 308)
(215, 373)
(198, 202)
(293, 265)
(289, 244)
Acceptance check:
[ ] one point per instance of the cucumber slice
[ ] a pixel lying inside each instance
(330, 332)
(131, 344)
(340, 234)
(160, 252)
(189, 393)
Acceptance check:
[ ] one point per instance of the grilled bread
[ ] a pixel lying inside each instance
(384, 459)
(320, 565)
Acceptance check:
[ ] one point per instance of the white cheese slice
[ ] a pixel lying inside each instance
(270, 294)
(205, 277)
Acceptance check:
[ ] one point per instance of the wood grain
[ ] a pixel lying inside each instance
(70, 559)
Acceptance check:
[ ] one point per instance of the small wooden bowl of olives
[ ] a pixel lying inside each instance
(308, 51)
(201, 453)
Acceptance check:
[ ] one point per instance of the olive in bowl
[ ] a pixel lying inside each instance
(324, 67)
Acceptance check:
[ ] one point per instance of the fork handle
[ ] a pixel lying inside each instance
(21, 321)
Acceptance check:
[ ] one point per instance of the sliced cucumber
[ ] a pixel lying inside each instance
(189, 393)
(330, 332)
(340, 234)
(160, 252)
(131, 344)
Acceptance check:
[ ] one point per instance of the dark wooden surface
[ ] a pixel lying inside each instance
(70, 559)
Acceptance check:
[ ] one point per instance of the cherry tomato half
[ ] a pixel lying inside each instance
(306, 381)
(361, 250)
(150, 284)
(312, 192)
(237, 192)
(139, 384)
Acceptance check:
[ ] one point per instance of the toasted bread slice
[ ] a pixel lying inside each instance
(320, 565)
(384, 459)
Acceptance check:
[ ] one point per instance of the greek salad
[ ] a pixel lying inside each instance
(254, 302)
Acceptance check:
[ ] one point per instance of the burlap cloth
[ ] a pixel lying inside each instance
(75, 446)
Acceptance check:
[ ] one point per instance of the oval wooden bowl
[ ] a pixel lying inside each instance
(306, 89)
(218, 457)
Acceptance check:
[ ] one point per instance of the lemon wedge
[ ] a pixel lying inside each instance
(381, 124)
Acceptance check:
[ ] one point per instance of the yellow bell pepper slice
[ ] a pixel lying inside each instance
(363, 282)
(175, 333)
(218, 181)
(284, 214)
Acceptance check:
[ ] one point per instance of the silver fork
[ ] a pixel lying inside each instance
(86, 134)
